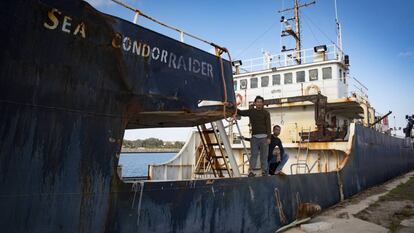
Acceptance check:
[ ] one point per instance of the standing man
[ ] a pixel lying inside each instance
(275, 164)
(259, 143)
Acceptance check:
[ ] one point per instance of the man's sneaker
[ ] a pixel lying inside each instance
(264, 174)
(251, 174)
(280, 173)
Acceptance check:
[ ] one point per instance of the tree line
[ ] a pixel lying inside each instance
(152, 143)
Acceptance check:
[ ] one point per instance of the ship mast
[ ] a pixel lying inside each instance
(288, 31)
(338, 29)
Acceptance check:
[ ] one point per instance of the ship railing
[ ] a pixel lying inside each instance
(304, 165)
(289, 58)
(357, 89)
(298, 165)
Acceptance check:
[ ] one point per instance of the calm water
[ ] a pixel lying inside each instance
(136, 164)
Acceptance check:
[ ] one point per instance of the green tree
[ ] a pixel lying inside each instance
(152, 142)
(178, 144)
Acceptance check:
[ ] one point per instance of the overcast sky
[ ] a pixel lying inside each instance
(377, 35)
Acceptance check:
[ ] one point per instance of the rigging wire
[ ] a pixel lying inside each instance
(323, 33)
(313, 34)
(258, 38)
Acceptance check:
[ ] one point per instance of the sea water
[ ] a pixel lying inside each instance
(136, 164)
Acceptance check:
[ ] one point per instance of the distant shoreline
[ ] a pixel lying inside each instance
(149, 150)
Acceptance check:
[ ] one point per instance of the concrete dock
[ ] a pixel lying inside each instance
(385, 208)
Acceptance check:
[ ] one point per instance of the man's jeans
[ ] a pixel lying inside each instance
(282, 163)
(259, 145)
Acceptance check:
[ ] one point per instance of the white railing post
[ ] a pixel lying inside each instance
(166, 172)
(136, 18)
(181, 36)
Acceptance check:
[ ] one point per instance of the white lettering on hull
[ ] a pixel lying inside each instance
(55, 21)
(53, 17)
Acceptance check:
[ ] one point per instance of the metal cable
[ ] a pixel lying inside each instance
(323, 33)
(166, 25)
(258, 38)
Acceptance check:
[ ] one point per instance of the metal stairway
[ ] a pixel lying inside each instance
(215, 153)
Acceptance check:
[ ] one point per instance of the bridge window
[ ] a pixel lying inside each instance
(327, 73)
(300, 76)
(313, 74)
(253, 83)
(264, 81)
(235, 85)
(243, 84)
(344, 75)
(288, 78)
(276, 79)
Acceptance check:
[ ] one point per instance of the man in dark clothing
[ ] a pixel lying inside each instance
(275, 164)
(259, 142)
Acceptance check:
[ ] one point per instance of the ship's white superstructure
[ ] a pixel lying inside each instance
(322, 71)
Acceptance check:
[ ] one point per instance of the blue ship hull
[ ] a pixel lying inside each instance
(249, 204)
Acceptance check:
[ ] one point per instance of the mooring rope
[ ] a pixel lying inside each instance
(220, 50)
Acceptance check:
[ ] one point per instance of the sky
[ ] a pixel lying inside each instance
(377, 35)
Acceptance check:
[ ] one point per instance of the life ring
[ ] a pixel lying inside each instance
(312, 87)
(239, 99)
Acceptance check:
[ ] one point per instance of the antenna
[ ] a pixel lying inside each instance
(338, 29)
(288, 31)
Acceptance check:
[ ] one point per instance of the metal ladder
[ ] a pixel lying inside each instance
(302, 160)
(221, 164)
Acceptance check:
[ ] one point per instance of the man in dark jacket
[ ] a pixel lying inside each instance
(259, 142)
(276, 164)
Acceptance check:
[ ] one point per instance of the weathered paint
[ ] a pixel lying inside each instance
(67, 95)
(375, 158)
(248, 204)
(230, 205)
(61, 70)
